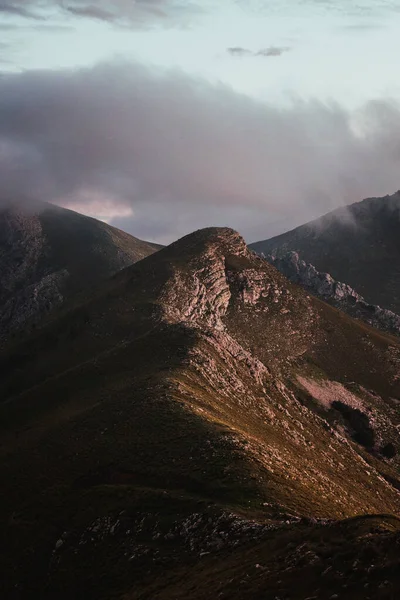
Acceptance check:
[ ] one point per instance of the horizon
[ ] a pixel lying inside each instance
(344, 217)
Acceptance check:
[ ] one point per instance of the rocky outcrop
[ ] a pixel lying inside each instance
(338, 294)
(200, 292)
(203, 295)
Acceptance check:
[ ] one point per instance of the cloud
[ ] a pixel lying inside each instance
(271, 51)
(238, 51)
(121, 12)
(364, 8)
(49, 28)
(8, 50)
(140, 12)
(177, 153)
(19, 8)
(361, 27)
(93, 12)
(41, 27)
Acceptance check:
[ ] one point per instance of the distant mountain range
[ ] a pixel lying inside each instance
(358, 245)
(49, 254)
(200, 427)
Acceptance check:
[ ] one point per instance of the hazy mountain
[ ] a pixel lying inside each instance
(358, 244)
(334, 292)
(199, 429)
(48, 254)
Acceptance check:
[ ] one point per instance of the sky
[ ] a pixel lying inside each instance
(163, 116)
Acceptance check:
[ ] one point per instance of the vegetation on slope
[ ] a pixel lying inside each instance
(183, 423)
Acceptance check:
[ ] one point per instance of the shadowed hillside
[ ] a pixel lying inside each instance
(358, 244)
(48, 254)
(199, 428)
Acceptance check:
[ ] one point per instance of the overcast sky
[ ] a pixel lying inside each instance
(163, 116)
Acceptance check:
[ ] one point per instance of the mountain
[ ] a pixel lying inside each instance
(48, 254)
(200, 428)
(334, 292)
(357, 244)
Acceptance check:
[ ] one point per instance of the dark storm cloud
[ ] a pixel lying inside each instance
(182, 153)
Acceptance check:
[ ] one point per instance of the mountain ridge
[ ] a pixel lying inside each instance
(197, 401)
(49, 254)
(358, 244)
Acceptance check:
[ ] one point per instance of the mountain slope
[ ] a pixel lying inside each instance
(48, 254)
(198, 405)
(358, 244)
(339, 294)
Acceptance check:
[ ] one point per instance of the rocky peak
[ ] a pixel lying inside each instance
(220, 284)
(217, 240)
(219, 272)
(199, 291)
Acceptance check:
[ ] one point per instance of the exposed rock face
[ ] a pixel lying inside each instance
(48, 254)
(335, 292)
(201, 292)
(358, 244)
